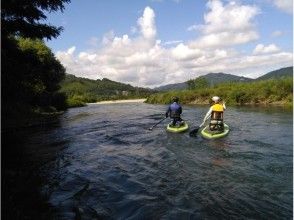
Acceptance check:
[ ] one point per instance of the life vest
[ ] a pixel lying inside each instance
(217, 117)
(175, 110)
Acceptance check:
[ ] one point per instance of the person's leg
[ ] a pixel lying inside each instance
(174, 121)
(212, 127)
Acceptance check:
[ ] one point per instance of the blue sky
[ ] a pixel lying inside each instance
(156, 42)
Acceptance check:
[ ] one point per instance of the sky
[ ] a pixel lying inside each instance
(150, 43)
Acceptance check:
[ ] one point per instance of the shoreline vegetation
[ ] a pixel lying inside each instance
(259, 93)
(265, 93)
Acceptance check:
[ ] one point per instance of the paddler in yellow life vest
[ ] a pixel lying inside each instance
(216, 115)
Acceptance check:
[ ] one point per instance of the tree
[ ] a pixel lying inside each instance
(201, 82)
(23, 18)
(198, 83)
(30, 72)
(43, 72)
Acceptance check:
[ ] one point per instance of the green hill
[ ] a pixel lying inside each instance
(82, 90)
(217, 78)
(283, 72)
(210, 78)
(175, 86)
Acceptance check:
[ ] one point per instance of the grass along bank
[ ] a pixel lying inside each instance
(264, 92)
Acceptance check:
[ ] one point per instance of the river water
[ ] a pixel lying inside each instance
(102, 162)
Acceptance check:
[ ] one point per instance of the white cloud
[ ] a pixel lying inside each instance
(147, 23)
(261, 49)
(71, 50)
(224, 39)
(226, 25)
(108, 37)
(182, 52)
(193, 27)
(284, 5)
(230, 17)
(277, 33)
(143, 60)
(134, 30)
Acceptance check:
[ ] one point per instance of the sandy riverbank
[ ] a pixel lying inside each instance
(120, 101)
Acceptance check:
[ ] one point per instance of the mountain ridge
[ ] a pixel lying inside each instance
(216, 78)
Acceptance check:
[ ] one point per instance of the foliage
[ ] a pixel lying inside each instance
(197, 83)
(279, 91)
(30, 73)
(22, 18)
(33, 74)
(81, 90)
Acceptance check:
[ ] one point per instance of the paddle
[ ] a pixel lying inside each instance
(157, 124)
(194, 132)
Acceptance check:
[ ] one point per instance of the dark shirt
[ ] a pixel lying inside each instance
(174, 110)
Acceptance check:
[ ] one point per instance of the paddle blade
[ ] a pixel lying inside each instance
(194, 132)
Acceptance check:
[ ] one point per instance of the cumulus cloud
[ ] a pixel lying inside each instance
(284, 5)
(261, 49)
(194, 27)
(226, 25)
(147, 23)
(143, 60)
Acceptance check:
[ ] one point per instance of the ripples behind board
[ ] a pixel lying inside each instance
(113, 167)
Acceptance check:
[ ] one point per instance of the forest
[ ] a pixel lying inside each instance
(80, 91)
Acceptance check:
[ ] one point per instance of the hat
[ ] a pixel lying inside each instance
(215, 98)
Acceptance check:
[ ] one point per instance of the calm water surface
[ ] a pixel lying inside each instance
(102, 162)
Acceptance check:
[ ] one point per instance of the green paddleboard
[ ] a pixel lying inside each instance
(206, 133)
(176, 129)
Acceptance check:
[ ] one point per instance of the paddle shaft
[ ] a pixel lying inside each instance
(157, 123)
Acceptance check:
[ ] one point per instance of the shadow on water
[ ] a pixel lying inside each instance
(102, 162)
(22, 181)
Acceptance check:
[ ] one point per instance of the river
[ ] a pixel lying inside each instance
(102, 162)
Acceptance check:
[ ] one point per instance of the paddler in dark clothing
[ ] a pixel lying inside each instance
(175, 111)
(216, 115)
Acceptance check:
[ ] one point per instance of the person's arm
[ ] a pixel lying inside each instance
(206, 116)
(167, 111)
(224, 105)
(180, 110)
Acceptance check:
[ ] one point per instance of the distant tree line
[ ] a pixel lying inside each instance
(269, 91)
(197, 83)
(82, 90)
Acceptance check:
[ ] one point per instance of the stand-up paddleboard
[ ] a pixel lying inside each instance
(177, 129)
(206, 133)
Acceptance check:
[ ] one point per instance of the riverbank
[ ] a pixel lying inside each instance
(22, 118)
(264, 92)
(120, 101)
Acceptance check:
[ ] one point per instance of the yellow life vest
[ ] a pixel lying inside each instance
(217, 108)
(217, 116)
(217, 112)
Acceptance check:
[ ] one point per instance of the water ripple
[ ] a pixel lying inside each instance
(113, 167)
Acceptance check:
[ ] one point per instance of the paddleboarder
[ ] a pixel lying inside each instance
(216, 115)
(174, 111)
